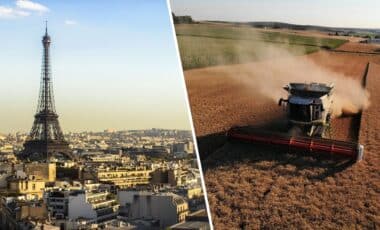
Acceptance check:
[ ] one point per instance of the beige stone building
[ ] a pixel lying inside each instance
(18, 213)
(194, 192)
(168, 208)
(123, 177)
(43, 171)
(29, 186)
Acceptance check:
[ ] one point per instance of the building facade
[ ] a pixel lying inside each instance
(168, 208)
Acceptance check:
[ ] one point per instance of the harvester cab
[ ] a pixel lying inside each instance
(309, 108)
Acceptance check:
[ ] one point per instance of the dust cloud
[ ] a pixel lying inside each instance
(280, 67)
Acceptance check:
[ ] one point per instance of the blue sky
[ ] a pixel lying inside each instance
(114, 65)
(341, 13)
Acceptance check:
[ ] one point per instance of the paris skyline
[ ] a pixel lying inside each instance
(96, 54)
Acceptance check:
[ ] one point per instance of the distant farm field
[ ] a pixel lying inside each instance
(204, 45)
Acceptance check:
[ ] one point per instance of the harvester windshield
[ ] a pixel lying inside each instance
(304, 109)
(300, 112)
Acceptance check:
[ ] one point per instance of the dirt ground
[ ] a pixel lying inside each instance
(358, 47)
(253, 187)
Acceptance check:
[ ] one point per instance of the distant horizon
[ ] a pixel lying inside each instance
(284, 22)
(338, 13)
(104, 130)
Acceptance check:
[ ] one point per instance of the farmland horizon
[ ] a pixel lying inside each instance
(289, 23)
(338, 14)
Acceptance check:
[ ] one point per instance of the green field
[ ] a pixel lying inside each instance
(204, 45)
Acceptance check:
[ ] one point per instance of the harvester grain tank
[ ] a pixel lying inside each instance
(309, 108)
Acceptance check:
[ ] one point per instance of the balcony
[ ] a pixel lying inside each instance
(93, 196)
(103, 203)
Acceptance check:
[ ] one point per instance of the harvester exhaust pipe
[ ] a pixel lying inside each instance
(312, 144)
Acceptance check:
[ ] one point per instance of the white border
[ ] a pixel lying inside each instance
(189, 112)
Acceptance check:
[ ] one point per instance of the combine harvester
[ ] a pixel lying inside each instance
(309, 111)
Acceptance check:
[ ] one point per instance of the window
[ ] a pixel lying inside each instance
(317, 112)
(300, 112)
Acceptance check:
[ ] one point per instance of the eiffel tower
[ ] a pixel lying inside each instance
(46, 137)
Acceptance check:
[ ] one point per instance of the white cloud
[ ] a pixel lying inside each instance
(32, 6)
(23, 8)
(70, 22)
(8, 12)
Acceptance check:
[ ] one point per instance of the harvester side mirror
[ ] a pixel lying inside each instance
(360, 153)
(281, 100)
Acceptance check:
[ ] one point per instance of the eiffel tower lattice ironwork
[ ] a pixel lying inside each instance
(46, 137)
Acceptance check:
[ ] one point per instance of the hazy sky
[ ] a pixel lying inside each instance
(114, 65)
(342, 13)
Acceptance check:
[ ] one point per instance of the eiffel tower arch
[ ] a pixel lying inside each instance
(46, 137)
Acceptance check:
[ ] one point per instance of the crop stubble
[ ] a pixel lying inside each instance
(252, 187)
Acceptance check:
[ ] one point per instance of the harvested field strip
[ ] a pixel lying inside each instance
(356, 119)
(370, 124)
(355, 52)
